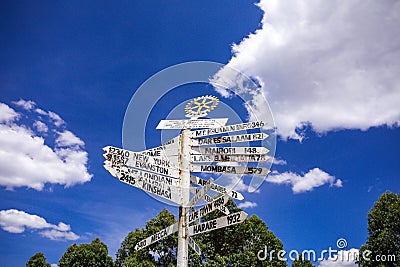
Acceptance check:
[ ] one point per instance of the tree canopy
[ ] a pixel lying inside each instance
(236, 245)
(94, 254)
(384, 233)
(37, 260)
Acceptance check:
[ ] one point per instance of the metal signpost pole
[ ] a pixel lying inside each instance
(183, 237)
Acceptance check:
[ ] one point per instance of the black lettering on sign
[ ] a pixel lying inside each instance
(141, 244)
(234, 218)
(207, 226)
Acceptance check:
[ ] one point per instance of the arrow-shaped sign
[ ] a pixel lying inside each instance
(228, 169)
(207, 198)
(217, 188)
(200, 194)
(221, 222)
(140, 161)
(169, 148)
(228, 158)
(191, 124)
(194, 246)
(229, 139)
(158, 185)
(157, 236)
(229, 150)
(207, 208)
(229, 128)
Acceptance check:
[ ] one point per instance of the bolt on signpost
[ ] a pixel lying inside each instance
(165, 171)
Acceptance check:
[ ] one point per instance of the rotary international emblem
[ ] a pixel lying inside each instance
(201, 106)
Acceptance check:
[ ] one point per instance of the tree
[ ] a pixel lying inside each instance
(384, 232)
(236, 245)
(94, 254)
(37, 260)
(301, 262)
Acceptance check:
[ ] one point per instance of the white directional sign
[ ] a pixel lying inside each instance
(217, 188)
(229, 128)
(141, 161)
(209, 199)
(229, 139)
(229, 169)
(228, 158)
(157, 236)
(200, 194)
(229, 150)
(194, 246)
(221, 222)
(192, 124)
(169, 148)
(207, 208)
(158, 185)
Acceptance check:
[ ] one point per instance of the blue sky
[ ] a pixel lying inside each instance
(69, 70)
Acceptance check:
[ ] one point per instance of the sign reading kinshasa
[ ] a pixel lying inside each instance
(165, 171)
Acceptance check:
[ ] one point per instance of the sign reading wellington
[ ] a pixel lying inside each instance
(166, 171)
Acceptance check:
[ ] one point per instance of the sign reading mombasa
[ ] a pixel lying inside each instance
(166, 171)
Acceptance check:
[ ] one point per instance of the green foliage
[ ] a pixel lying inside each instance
(162, 253)
(37, 260)
(94, 254)
(384, 231)
(234, 246)
(301, 262)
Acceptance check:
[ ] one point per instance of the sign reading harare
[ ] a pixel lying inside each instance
(221, 222)
(163, 171)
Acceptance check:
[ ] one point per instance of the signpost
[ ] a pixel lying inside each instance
(165, 171)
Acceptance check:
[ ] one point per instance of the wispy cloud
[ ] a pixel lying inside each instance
(247, 205)
(317, 64)
(28, 159)
(25, 104)
(344, 258)
(7, 114)
(16, 221)
(307, 182)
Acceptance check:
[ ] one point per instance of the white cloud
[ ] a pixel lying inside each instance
(343, 258)
(16, 221)
(278, 161)
(25, 104)
(40, 126)
(247, 204)
(332, 65)
(26, 160)
(7, 114)
(56, 118)
(312, 179)
(67, 138)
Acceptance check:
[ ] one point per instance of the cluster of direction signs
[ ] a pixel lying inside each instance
(157, 171)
